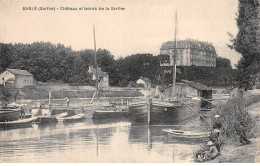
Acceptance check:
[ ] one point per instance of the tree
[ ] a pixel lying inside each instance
(5, 59)
(247, 41)
(223, 62)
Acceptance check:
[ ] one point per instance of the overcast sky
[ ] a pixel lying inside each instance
(141, 28)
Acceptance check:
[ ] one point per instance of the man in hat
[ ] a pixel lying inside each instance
(212, 153)
(217, 123)
(214, 137)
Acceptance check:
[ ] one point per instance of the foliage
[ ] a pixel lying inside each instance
(223, 62)
(232, 115)
(4, 94)
(131, 68)
(211, 76)
(5, 59)
(57, 63)
(247, 41)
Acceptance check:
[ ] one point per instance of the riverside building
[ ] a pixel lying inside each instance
(189, 52)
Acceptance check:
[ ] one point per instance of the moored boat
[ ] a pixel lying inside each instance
(46, 119)
(103, 114)
(17, 123)
(191, 135)
(74, 118)
(164, 111)
(9, 114)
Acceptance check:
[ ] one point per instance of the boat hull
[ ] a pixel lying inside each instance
(9, 114)
(164, 113)
(46, 119)
(74, 118)
(17, 123)
(105, 112)
(203, 136)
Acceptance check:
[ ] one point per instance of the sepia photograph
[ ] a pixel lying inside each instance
(129, 81)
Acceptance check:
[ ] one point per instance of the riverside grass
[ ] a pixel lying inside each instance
(232, 114)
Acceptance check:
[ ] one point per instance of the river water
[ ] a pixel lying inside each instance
(113, 140)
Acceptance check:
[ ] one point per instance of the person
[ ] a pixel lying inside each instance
(217, 123)
(241, 130)
(214, 137)
(22, 111)
(67, 101)
(212, 153)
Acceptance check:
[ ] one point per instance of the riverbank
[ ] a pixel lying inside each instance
(235, 153)
(43, 92)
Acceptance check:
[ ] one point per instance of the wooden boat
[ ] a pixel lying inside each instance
(46, 119)
(46, 116)
(77, 117)
(156, 111)
(9, 114)
(163, 111)
(61, 115)
(187, 134)
(17, 123)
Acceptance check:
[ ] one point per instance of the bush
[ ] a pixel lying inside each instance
(232, 114)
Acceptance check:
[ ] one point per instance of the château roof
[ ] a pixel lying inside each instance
(188, 43)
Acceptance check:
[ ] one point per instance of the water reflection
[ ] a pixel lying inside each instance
(110, 140)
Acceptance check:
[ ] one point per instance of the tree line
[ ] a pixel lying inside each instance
(57, 63)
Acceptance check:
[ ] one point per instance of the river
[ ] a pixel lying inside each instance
(113, 140)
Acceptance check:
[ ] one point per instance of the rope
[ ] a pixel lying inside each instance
(193, 110)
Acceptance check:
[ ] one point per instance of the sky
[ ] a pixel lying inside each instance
(141, 27)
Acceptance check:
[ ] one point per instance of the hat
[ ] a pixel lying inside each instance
(216, 131)
(216, 116)
(210, 143)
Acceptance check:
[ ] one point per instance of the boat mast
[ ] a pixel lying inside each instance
(95, 62)
(174, 55)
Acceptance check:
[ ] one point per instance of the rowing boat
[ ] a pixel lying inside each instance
(73, 118)
(187, 134)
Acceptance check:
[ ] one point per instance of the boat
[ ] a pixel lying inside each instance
(191, 135)
(17, 123)
(9, 114)
(173, 109)
(101, 110)
(74, 118)
(46, 119)
(104, 114)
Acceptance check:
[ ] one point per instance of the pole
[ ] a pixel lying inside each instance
(174, 56)
(95, 61)
(50, 99)
(149, 110)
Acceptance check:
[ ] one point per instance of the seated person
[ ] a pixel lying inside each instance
(212, 153)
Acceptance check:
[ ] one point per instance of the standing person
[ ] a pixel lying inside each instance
(215, 138)
(22, 111)
(68, 101)
(217, 123)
